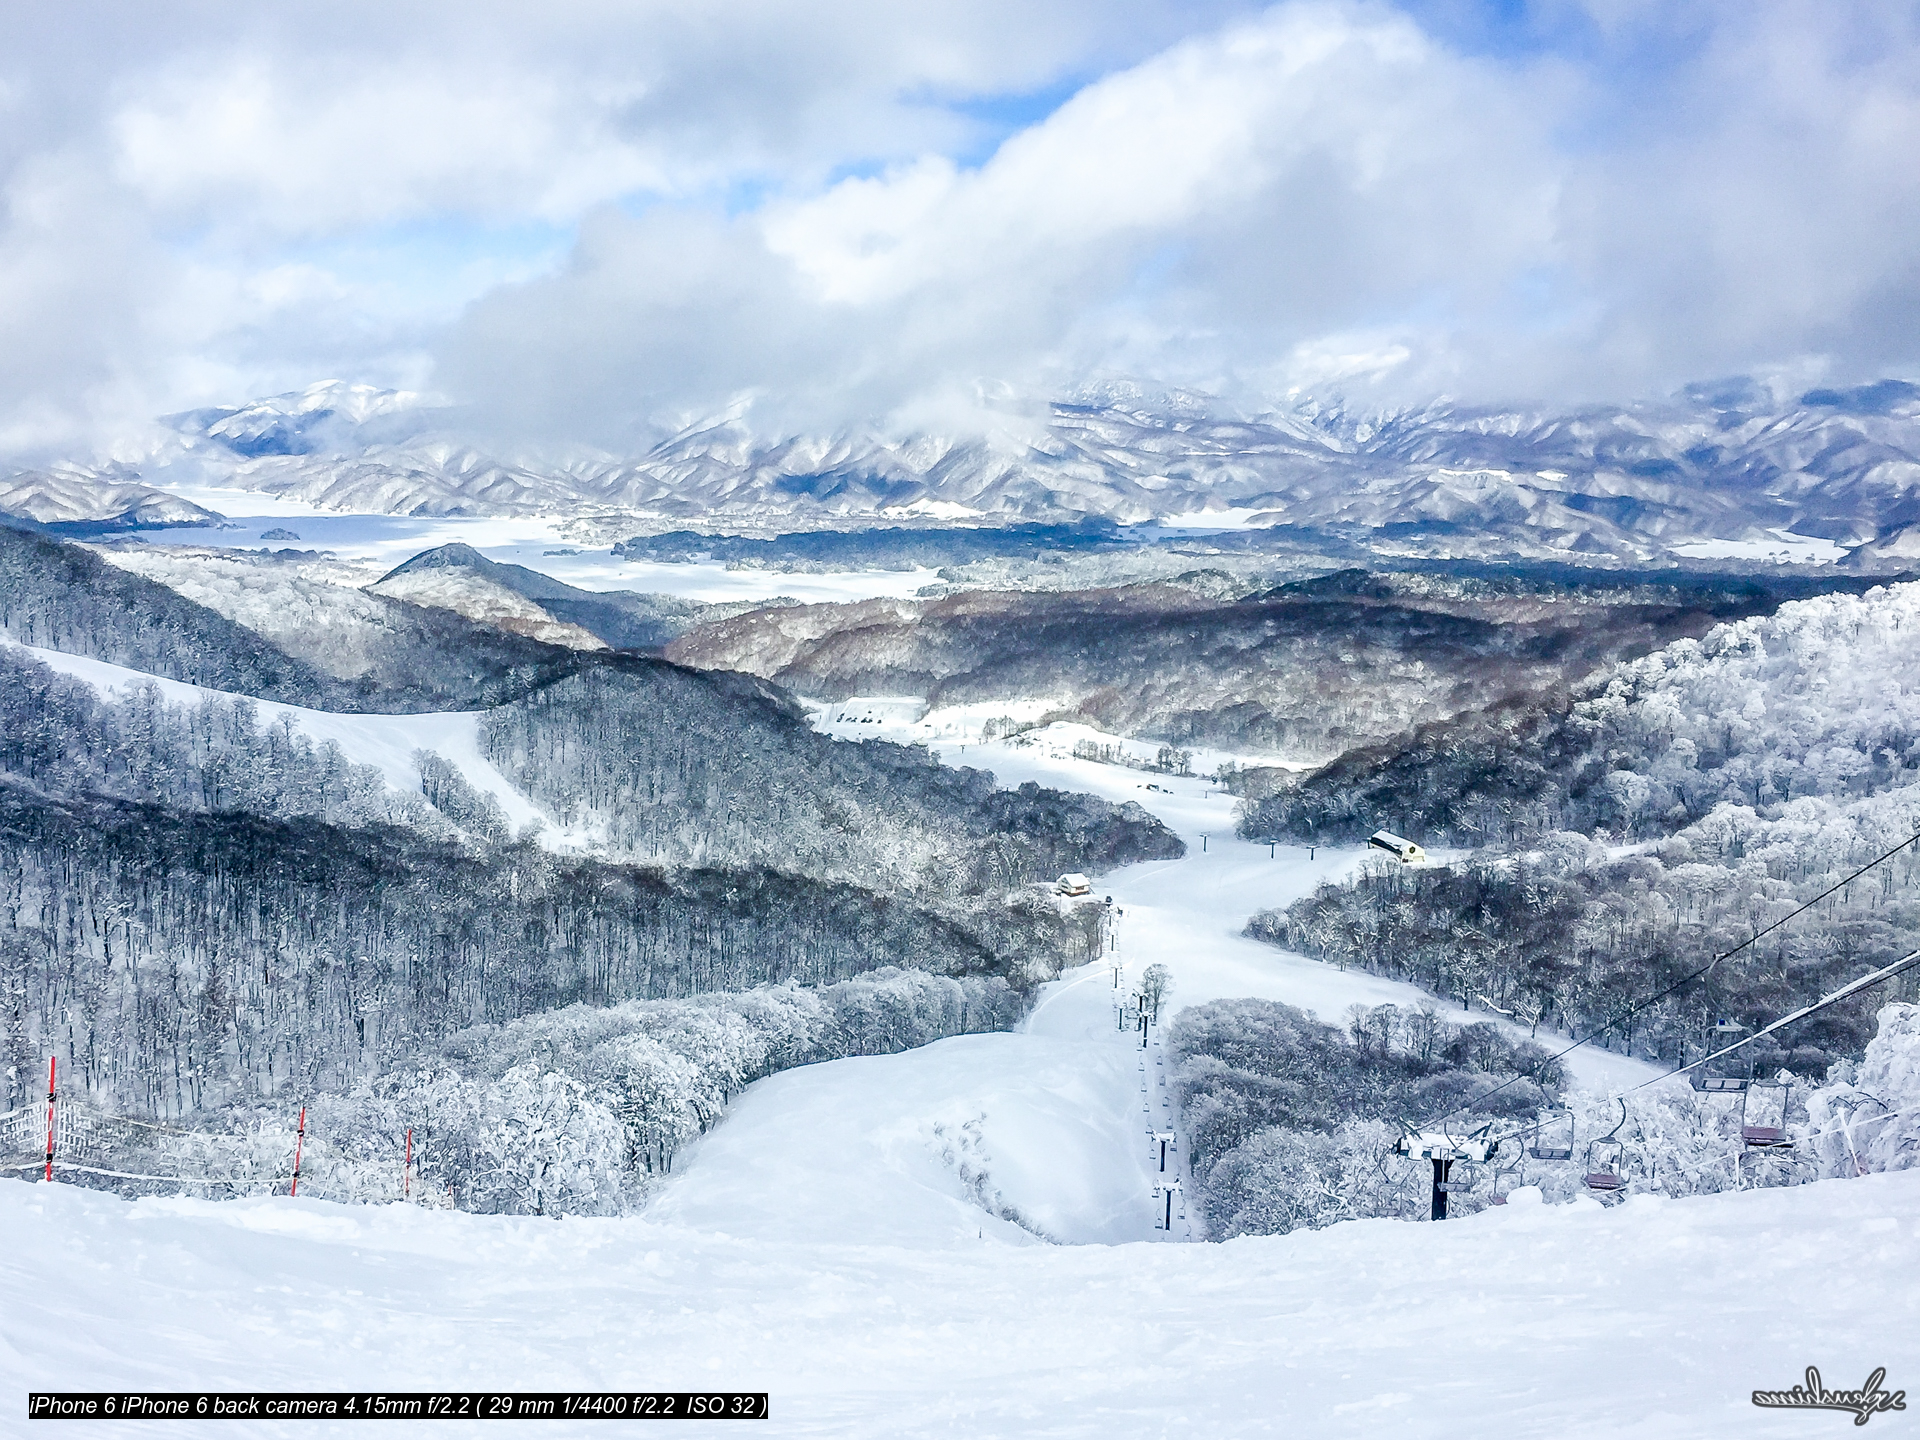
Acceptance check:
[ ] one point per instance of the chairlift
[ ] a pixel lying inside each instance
(1548, 1138)
(1766, 1137)
(1462, 1176)
(1516, 1171)
(1606, 1159)
(1722, 1083)
(1719, 1084)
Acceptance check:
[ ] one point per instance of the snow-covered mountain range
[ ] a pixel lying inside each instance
(92, 500)
(1727, 463)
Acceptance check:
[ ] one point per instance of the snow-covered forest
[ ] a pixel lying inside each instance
(1300, 669)
(572, 1111)
(208, 909)
(64, 597)
(273, 631)
(1292, 1123)
(1289, 1121)
(671, 767)
(1816, 701)
(1627, 835)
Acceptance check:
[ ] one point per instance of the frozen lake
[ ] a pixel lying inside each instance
(539, 544)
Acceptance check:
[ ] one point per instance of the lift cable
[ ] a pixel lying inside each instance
(1852, 987)
(1688, 979)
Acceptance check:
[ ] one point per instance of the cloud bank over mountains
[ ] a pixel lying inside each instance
(601, 222)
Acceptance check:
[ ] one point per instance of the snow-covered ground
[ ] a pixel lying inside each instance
(908, 720)
(1785, 548)
(1049, 1125)
(1653, 1320)
(1186, 914)
(865, 1239)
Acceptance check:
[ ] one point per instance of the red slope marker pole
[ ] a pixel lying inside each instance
(406, 1172)
(52, 1061)
(299, 1143)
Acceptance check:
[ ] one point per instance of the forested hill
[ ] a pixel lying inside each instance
(177, 960)
(657, 763)
(253, 625)
(64, 597)
(1818, 699)
(667, 765)
(663, 764)
(1305, 670)
(202, 909)
(1634, 830)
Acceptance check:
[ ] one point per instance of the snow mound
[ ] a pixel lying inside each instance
(1019, 1137)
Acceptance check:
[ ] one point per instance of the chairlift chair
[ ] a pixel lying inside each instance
(1723, 1029)
(1719, 1084)
(1516, 1171)
(1606, 1159)
(1462, 1176)
(1547, 1141)
(1766, 1137)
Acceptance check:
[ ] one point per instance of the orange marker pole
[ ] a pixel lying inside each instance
(52, 1061)
(299, 1144)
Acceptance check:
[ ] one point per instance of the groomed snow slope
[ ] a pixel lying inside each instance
(1652, 1319)
(1186, 914)
(1049, 1126)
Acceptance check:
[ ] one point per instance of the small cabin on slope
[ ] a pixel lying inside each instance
(1405, 851)
(1073, 884)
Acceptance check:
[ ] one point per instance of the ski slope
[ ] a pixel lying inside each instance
(868, 1241)
(1045, 1132)
(1651, 1320)
(1186, 914)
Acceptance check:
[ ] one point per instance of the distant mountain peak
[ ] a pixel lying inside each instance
(444, 557)
(327, 416)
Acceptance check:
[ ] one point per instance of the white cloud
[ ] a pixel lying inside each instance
(325, 149)
(660, 208)
(1200, 217)
(175, 182)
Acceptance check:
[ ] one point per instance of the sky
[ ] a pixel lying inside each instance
(588, 220)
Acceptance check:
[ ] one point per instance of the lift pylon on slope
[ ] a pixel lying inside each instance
(1443, 1149)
